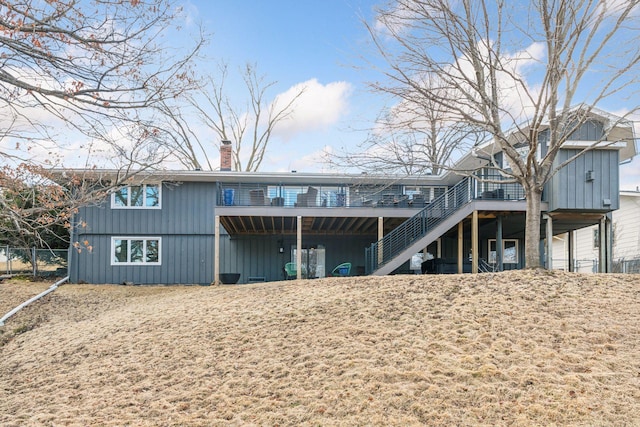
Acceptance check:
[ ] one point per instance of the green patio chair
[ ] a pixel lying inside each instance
(290, 271)
(342, 270)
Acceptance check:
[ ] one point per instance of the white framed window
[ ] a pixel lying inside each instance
(143, 196)
(509, 251)
(136, 250)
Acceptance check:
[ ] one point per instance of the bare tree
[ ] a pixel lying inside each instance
(91, 69)
(249, 127)
(413, 138)
(477, 52)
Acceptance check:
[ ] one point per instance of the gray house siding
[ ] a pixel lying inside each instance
(259, 256)
(186, 208)
(450, 250)
(186, 259)
(589, 183)
(184, 223)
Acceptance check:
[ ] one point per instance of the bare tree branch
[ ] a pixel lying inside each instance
(249, 126)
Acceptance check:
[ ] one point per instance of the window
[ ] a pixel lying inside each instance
(135, 251)
(145, 196)
(429, 193)
(438, 191)
(509, 251)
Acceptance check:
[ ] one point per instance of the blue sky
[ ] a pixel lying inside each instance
(291, 40)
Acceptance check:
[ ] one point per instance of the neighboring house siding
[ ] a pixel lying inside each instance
(586, 254)
(626, 243)
(626, 228)
(586, 183)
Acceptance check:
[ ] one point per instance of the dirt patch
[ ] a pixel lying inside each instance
(516, 348)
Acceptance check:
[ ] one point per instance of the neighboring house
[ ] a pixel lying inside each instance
(625, 246)
(193, 227)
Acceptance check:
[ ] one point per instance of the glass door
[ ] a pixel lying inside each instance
(313, 261)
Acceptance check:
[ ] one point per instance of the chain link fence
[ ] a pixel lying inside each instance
(620, 265)
(33, 262)
(627, 266)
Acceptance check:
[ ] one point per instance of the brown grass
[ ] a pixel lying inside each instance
(517, 348)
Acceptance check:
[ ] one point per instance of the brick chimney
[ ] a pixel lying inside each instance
(225, 155)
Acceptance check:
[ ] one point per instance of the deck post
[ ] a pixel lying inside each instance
(439, 247)
(460, 241)
(474, 242)
(570, 244)
(380, 237)
(216, 249)
(549, 245)
(605, 235)
(609, 241)
(299, 246)
(499, 246)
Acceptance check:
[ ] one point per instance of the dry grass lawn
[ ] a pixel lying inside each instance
(516, 348)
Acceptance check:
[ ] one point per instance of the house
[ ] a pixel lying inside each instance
(194, 227)
(625, 246)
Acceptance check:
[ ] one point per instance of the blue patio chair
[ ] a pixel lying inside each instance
(290, 271)
(342, 270)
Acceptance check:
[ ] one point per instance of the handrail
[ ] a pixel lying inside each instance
(485, 267)
(416, 227)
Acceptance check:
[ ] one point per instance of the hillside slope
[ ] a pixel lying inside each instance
(514, 348)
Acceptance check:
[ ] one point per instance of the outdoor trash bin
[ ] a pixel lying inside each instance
(229, 194)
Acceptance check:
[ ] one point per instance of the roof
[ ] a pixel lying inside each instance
(252, 177)
(621, 137)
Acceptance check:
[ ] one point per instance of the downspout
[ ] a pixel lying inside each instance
(36, 298)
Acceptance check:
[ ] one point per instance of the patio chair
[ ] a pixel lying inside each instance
(290, 271)
(307, 199)
(342, 270)
(418, 201)
(257, 198)
(387, 200)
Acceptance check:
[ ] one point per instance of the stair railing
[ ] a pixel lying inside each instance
(416, 227)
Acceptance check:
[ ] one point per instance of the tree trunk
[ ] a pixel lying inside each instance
(532, 228)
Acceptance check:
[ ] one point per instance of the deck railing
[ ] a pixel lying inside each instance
(331, 196)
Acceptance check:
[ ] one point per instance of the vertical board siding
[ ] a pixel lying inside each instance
(186, 259)
(570, 190)
(185, 223)
(258, 256)
(187, 208)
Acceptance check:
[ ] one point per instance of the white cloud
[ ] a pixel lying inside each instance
(613, 9)
(313, 162)
(319, 107)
